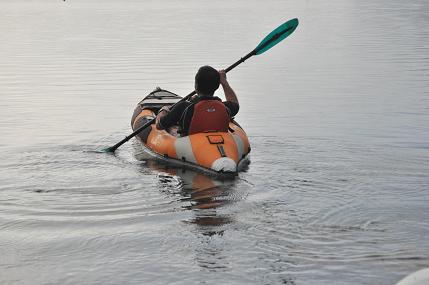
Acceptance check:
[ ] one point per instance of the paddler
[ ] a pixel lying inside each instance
(204, 112)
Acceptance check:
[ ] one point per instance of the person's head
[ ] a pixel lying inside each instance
(207, 80)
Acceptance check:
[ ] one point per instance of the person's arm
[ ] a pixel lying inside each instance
(164, 111)
(229, 93)
(167, 118)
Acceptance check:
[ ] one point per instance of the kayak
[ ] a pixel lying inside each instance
(212, 152)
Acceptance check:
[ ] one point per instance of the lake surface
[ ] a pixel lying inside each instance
(337, 116)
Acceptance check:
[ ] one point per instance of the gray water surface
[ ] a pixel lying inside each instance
(337, 116)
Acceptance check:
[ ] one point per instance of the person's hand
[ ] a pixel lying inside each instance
(165, 108)
(222, 74)
(161, 113)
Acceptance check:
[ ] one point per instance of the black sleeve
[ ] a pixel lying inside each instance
(173, 117)
(232, 107)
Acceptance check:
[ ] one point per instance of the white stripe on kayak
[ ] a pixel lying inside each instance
(184, 149)
(240, 145)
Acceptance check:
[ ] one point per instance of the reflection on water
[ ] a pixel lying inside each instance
(204, 193)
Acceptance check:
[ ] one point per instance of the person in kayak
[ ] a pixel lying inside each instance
(204, 112)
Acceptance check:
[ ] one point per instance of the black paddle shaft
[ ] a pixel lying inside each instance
(241, 60)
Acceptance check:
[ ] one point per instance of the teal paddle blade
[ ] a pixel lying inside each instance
(276, 36)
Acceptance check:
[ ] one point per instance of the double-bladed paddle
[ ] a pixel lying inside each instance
(276, 36)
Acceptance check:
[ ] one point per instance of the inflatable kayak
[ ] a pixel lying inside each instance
(214, 152)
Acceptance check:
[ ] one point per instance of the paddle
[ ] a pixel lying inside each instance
(276, 36)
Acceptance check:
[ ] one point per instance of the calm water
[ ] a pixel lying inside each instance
(337, 115)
